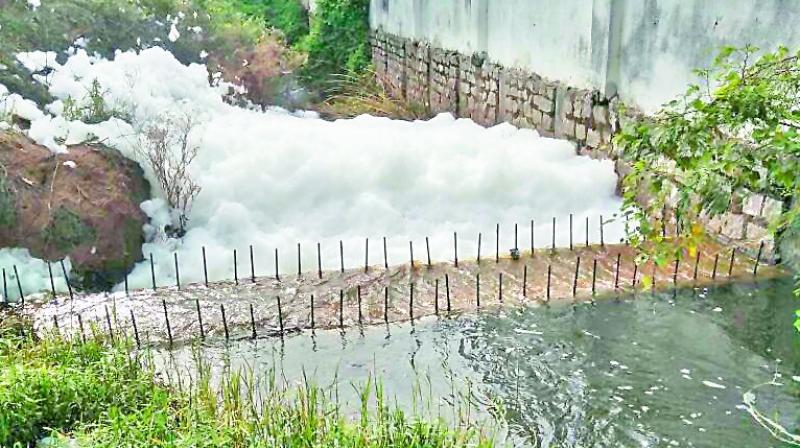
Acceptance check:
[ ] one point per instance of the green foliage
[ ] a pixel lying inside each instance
(797, 322)
(103, 396)
(92, 108)
(338, 42)
(53, 385)
(8, 207)
(288, 16)
(737, 132)
(66, 230)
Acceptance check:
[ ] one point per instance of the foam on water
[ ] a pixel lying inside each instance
(274, 179)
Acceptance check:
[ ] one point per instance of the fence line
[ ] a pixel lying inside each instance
(411, 298)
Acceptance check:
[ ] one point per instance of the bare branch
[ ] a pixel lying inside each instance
(165, 145)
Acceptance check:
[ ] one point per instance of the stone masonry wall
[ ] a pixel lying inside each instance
(471, 86)
(443, 79)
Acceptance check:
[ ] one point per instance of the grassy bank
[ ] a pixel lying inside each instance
(99, 394)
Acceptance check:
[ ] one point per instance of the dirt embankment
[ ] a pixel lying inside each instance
(84, 204)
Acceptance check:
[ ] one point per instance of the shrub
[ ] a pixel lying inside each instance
(288, 16)
(361, 93)
(165, 146)
(338, 40)
(66, 230)
(54, 386)
(8, 208)
(738, 131)
(92, 108)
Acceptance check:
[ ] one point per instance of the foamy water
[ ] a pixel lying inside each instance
(275, 179)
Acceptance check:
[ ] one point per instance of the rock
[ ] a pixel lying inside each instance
(734, 226)
(600, 115)
(580, 132)
(90, 212)
(593, 138)
(772, 209)
(753, 204)
(756, 232)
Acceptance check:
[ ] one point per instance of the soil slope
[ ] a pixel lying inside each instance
(84, 204)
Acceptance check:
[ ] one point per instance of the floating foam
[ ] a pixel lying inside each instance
(274, 179)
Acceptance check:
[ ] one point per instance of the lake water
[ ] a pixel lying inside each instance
(646, 370)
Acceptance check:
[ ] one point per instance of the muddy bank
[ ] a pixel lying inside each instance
(83, 205)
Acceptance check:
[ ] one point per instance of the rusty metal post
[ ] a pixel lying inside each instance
(66, 279)
(224, 321)
(575, 280)
(525, 281)
(166, 318)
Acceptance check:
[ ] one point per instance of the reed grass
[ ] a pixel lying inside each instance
(103, 393)
(361, 93)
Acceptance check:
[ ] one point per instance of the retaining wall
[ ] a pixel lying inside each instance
(642, 50)
(472, 86)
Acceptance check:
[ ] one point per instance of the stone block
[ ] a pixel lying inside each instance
(600, 115)
(548, 123)
(772, 209)
(715, 223)
(734, 226)
(753, 204)
(544, 104)
(549, 91)
(569, 107)
(593, 138)
(586, 106)
(536, 117)
(568, 128)
(756, 232)
(580, 131)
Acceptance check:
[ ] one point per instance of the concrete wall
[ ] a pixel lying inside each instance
(663, 40)
(644, 50)
(556, 43)
(562, 67)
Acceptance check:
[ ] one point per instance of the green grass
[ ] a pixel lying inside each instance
(100, 395)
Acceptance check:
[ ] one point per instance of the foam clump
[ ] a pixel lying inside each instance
(272, 179)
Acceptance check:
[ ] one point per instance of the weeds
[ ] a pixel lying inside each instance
(362, 93)
(165, 146)
(101, 395)
(338, 40)
(92, 108)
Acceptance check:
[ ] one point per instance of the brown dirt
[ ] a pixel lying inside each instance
(90, 213)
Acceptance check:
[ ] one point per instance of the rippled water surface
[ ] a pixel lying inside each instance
(666, 370)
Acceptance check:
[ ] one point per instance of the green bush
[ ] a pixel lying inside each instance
(338, 42)
(54, 386)
(288, 16)
(101, 397)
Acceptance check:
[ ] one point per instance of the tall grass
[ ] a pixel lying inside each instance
(105, 394)
(363, 93)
